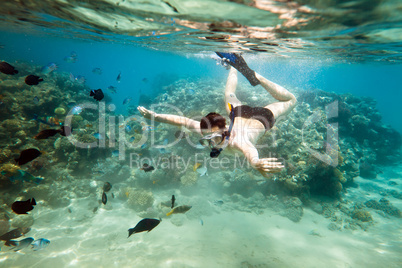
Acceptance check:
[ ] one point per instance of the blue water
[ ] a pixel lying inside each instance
(239, 218)
(161, 68)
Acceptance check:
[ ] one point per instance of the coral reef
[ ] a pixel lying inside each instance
(316, 165)
(317, 162)
(138, 199)
(189, 178)
(362, 215)
(384, 206)
(5, 155)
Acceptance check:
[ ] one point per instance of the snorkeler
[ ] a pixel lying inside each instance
(247, 124)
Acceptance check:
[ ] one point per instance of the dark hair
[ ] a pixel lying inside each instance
(212, 120)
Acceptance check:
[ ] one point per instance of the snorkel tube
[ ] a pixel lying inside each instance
(215, 152)
(232, 118)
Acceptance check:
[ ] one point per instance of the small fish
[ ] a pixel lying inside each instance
(107, 186)
(36, 117)
(7, 68)
(97, 94)
(218, 202)
(36, 100)
(69, 210)
(115, 153)
(95, 209)
(22, 207)
(147, 128)
(15, 233)
(165, 97)
(144, 225)
(97, 71)
(112, 195)
(112, 89)
(180, 209)
(132, 139)
(118, 78)
(32, 80)
(72, 58)
(76, 110)
(147, 168)
(173, 199)
(49, 68)
(145, 80)
(126, 101)
(180, 135)
(23, 243)
(191, 91)
(71, 104)
(144, 146)
(40, 243)
(22, 175)
(202, 171)
(46, 133)
(98, 136)
(53, 121)
(128, 128)
(104, 198)
(79, 79)
(27, 156)
(196, 166)
(201, 222)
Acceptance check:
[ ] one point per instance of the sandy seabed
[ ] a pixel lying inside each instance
(228, 238)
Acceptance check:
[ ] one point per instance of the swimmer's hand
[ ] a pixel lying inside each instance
(268, 165)
(146, 113)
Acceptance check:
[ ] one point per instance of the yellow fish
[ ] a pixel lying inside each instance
(179, 209)
(196, 166)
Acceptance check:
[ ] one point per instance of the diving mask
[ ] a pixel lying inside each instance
(214, 141)
(211, 140)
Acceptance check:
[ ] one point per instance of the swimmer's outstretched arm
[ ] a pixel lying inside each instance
(171, 119)
(263, 165)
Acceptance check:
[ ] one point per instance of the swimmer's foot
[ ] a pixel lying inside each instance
(240, 64)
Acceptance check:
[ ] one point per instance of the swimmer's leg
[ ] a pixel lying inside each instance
(230, 90)
(287, 101)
